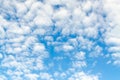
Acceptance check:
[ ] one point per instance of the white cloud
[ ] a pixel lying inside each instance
(60, 75)
(38, 47)
(97, 52)
(112, 37)
(80, 56)
(113, 40)
(53, 2)
(91, 32)
(87, 6)
(45, 76)
(83, 76)
(25, 24)
(32, 76)
(91, 20)
(116, 58)
(1, 55)
(43, 20)
(85, 43)
(21, 8)
(79, 64)
(77, 14)
(16, 39)
(113, 17)
(114, 49)
(67, 47)
(2, 77)
(62, 14)
(2, 32)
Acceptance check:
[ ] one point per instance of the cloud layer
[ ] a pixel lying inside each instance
(112, 38)
(54, 39)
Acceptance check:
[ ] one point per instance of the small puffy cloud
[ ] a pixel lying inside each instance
(80, 55)
(62, 14)
(45, 76)
(87, 6)
(60, 75)
(113, 41)
(38, 47)
(2, 32)
(91, 32)
(31, 76)
(1, 55)
(16, 39)
(116, 58)
(78, 13)
(79, 64)
(43, 20)
(97, 52)
(83, 76)
(2, 77)
(114, 49)
(67, 47)
(91, 20)
(64, 47)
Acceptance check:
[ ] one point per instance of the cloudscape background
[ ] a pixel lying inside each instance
(59, 40)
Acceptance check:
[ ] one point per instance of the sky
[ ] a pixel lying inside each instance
(59, 40)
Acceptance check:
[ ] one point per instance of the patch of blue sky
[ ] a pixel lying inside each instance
(57, 6)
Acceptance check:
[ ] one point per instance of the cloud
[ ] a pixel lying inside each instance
(79, 64)
(35, 33)
(1, 55)
(116, 58)
(46, 76)
(83, 76)
(2, 77)
(112, 37)
(80, 55)
(67, 47)
(97, 52)
(32, 76)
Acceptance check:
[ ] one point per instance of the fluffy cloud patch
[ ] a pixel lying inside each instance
(112, 37)
(83, 76)
(116, 58)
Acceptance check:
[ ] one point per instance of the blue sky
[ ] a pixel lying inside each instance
(59, 40)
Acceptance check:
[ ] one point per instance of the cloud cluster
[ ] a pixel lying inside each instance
(112, 36)
(83, 76)
(38, 38)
